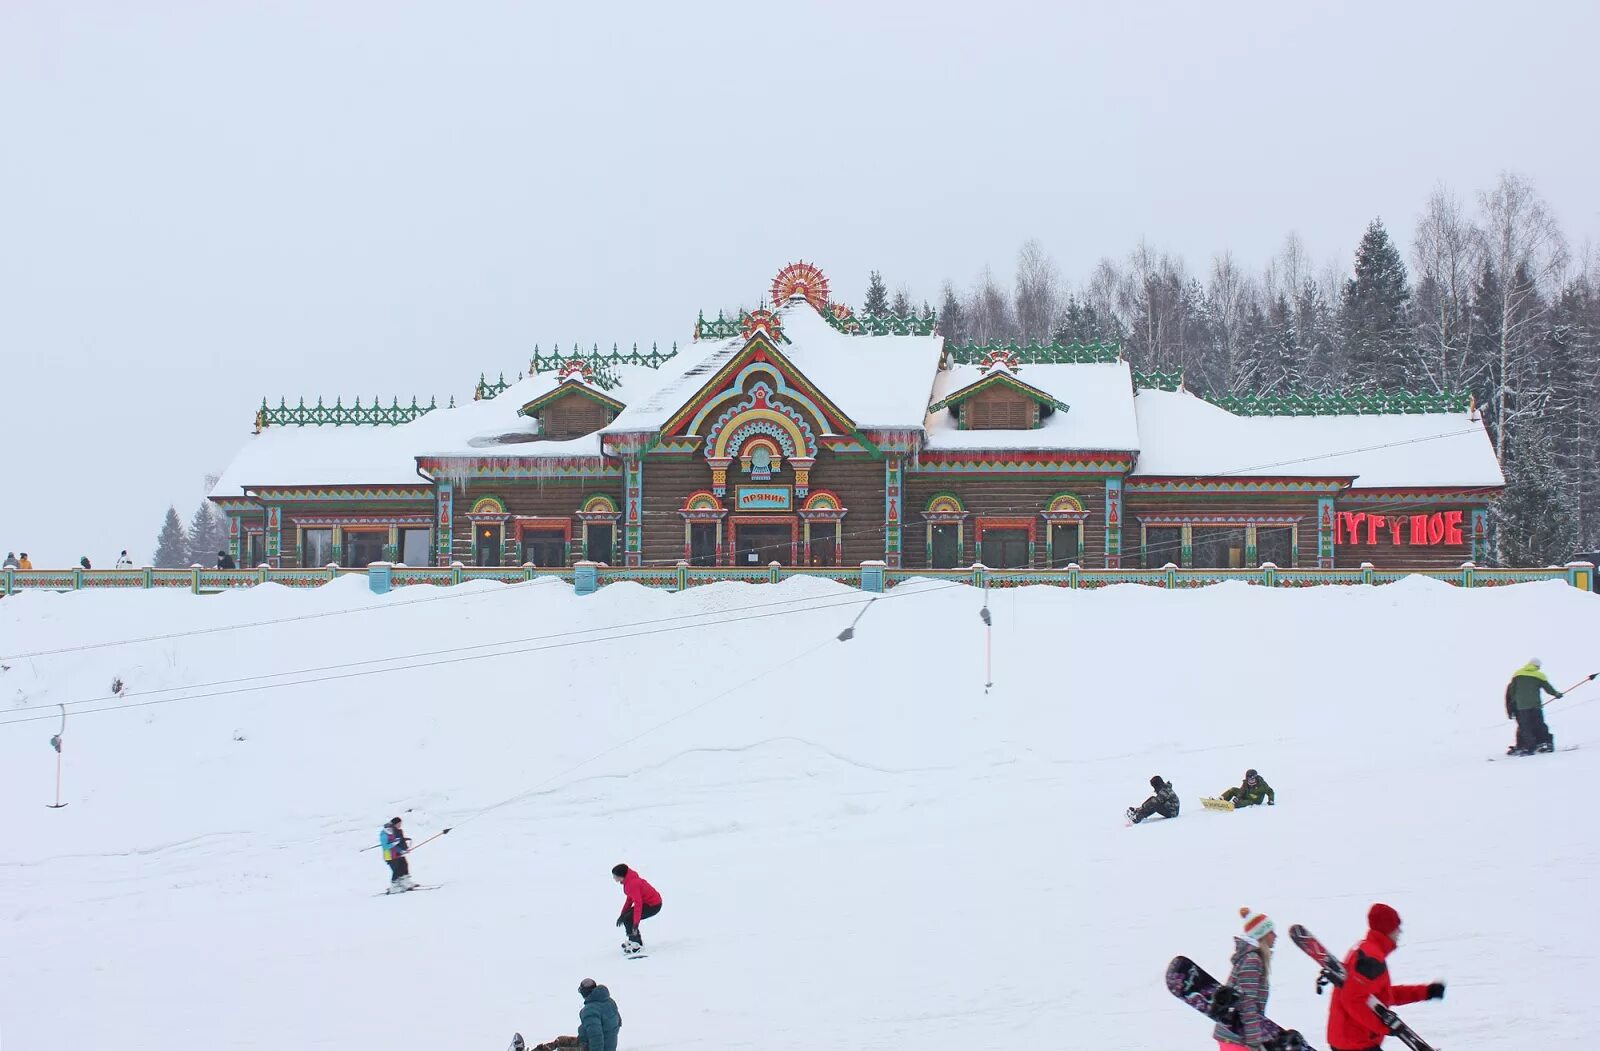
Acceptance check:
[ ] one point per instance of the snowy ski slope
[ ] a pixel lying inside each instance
(857, 845)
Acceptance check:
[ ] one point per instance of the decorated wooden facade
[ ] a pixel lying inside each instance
(804, 434)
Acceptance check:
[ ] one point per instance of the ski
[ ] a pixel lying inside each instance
(1189, 982)
(1333, 973)
(397, 893)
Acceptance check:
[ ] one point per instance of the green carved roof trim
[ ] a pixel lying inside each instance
(1155, 379)
(341, 415)
(1038, 353)
(1344, 403)
(997, 379)
(486, 391)
(883, 324)
(602, 361)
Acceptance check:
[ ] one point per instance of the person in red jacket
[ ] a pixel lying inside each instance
(1351, 1024)
(641, 903)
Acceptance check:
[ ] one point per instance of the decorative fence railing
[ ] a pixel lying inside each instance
(586, 577)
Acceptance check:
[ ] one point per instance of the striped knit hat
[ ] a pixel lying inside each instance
(1256, 924)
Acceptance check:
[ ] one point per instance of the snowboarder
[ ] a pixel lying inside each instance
(1253, 792)
(123, 561)
(1351, 1024)
(641, 902)
(392, 838)
(24, 562)
(1164, 802)
(1252, 962)
(1523, 704)
(225, 561)
(11, 561)
(599, 1019)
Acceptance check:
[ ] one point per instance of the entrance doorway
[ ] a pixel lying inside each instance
(756, 544)
(486, 545)
(597, 541)
(545, 550)
(702, 543)
(946, 546)
(362, 547)
(1005, 548)
(1065, 548)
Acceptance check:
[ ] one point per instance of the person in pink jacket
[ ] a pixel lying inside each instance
(641, 903)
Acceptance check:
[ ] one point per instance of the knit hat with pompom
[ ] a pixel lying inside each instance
(1256, 924)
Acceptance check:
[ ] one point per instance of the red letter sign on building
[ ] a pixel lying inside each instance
(1441, 527)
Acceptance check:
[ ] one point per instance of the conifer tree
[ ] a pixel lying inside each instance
(172, 545)
(200, 541)
(1375, 314)
(877, 301)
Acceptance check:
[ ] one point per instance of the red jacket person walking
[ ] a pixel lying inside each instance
(641, 903)
(1351, 1024)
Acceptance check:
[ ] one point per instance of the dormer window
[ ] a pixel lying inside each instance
(999, 401)
(572, 410)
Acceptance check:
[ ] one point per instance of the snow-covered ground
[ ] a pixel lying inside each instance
(857, 844)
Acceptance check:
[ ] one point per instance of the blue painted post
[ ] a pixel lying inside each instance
(585, 578)
(455, 573)
(1269, 574)
(11, 578)
(872, 576)
(980, 575)
(1581, 575)
(1170, 575)
(1073, 570)
(77, 578)
(149, 575)
(194, 577)
(380, 577)
(774, 572)
(1366, 572)
(683, 575)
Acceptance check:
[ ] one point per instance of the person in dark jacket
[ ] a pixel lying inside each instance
(1352, 1025)
(1164, 802)
(1253, 792)
(11, 561)
(225, 561)
(396, 845)
(1251, 966)
(84, 562)
(598, 1020)
(1525, 704)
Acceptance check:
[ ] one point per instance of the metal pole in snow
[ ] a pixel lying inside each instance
(988, 637)
(55, 742)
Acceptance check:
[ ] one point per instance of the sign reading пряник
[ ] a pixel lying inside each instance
(764, 498)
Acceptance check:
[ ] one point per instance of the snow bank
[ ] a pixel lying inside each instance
(856, 843)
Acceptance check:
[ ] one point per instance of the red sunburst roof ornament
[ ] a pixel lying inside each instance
(761, 322)
(576, 371)
(800, 279)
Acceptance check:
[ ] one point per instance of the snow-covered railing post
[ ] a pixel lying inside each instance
(980, 575)
(1170, 575)
(1269, 574)
(527, 571)
(147, 576)
(11, 580)
(194, 577)
(455, 573)
(77, 578)
(1469, 574)
(872, 573)
(774, 571)
(1366, 572)
(332, 569)
(1073, 572)
(683, 575)
(380, 577)
(1581, 575)
(585, 577)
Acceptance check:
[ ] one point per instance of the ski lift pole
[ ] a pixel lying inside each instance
(56, 742)
(417, 846)
(1581, 682)
(988, 636)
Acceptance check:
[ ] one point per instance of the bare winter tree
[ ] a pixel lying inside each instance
(988, 311)
(1038, 293)
(1446, 254)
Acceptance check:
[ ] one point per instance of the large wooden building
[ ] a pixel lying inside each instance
(805, 434)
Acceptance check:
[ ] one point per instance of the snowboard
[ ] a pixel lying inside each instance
(630, 953)
(1216, 804)
(1189, 982)
(1333, 972)
(1508, 755)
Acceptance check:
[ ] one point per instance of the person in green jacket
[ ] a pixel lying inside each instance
(1524, 703)
(1253, 792)
(599, 1021)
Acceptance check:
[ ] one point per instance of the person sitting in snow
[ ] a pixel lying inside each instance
(1253, 792)
(84, 562)
(123, 561)
(225, 561)
(1352, 1025)
(1164, 802)
(392, 838)
(641, 901)
(1524, 704)
(11, 561)
(24, 562)
(599, 1019)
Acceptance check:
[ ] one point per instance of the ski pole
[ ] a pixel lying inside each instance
(1586, 679)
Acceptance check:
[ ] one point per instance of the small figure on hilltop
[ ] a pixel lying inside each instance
(123, 561)
(1252, 963)
(640, 903)
(225, 561)
(1352, 1025)
(11, 561)
(392, 838)
(24, 562)
(598, 1020)
(1253, 791)
(1524, 704)
(84, 562)
(1164, 802)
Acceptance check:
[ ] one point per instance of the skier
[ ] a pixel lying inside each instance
(392, 838)
(641, 903)
(1164, 802)
(225, 561)
(599, 1019)
(1252, 962)
(1524, 705)
(1351, 1024)
(1253, 792)
(11, 561)
(123, 561)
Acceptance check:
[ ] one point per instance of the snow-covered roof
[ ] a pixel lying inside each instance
(1100, 412)
(1183, 435)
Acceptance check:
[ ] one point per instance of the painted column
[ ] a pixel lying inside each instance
(338, 545)
(1250, 546)
(1113, 523)
(233, 539)
(1324, 532)
(444, 532)
(391, 550)
(1186, 545)
(633, 511)
(274, 536)
(893, 499)
(1480, 535)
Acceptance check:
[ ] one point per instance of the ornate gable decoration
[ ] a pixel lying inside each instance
(577, 370)
(761, 323)
(801, 279)
(999, 375)
(760, 431)
(1001, 359)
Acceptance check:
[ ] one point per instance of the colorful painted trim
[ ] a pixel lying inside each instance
(1153, 484)
(559, 467)
(340, 415)
(543, 401)
(1039, 353)
(329, 493)
(998, 379)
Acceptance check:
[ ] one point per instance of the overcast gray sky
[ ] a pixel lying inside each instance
(206, 202)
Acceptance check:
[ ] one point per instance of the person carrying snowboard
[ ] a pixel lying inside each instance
(1252, 963)
(598, 1020)
(1164, 802)
(392, 838)
(1352, 1026)
(641, 902)
(1524, 704)
(1252, 792)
